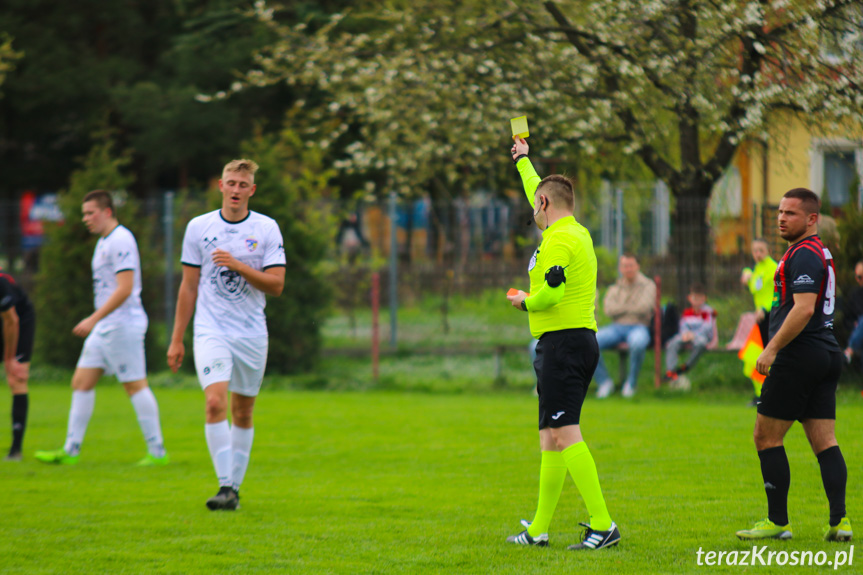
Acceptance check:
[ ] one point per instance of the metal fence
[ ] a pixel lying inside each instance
(468, 244)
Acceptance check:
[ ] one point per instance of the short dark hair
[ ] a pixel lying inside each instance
(629, 256)
(560, 188)
(808, 199)
(697, 289)
(102, 198)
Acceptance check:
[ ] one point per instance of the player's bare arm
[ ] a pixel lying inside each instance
(798, 317)
(186, 299)
(15, 371)
(125, 283)
(270, 281)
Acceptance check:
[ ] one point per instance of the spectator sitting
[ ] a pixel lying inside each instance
(697, 329)
(854, 313)
(629, 302)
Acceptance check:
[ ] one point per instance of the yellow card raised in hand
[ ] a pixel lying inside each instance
(519, 127)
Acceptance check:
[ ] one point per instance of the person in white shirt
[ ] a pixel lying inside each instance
(114, 335)
(232, 259)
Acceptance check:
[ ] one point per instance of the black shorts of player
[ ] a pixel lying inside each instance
(564, 365)
(802, 384)
(26, 335)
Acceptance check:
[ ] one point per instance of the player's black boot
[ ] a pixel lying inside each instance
(226, 499)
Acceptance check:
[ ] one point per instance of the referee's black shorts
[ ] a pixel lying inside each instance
(802, 383)
(26, 336)
(564, 365)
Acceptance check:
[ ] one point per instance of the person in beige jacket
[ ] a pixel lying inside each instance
(629, 302)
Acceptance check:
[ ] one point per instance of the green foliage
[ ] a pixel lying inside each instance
(8, 56)
(606, 266)
(64, 292)
(141, 62)
(291, 184)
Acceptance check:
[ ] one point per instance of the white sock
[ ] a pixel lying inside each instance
(147, 411)
(241, 445)
(79, 417)
(219, 443)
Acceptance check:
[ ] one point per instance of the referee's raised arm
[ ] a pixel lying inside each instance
(529, 177)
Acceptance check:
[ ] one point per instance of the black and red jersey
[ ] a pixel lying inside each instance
(11, 295)
(806, 267)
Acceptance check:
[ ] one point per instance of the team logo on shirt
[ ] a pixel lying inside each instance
(532, 263)
(803, 280)
(210, 242)
(229, 285)
(251, 244)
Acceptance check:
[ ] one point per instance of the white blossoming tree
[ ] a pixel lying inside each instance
(427, 87)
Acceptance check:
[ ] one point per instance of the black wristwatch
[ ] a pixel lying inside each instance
(524, 305)
(518, 157)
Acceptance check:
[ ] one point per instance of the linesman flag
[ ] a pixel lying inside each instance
(749, 353)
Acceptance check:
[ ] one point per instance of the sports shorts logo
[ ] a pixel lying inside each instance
(251, 244)
(803, 280)
(557, 415)
(217, 367)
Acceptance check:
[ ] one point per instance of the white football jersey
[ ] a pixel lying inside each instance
(227, 304)
(117, 252)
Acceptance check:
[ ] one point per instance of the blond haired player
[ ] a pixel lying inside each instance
(232, 259)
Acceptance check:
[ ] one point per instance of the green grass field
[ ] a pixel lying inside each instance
(379, 482)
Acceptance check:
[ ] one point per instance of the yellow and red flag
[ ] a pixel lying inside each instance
(752, 348)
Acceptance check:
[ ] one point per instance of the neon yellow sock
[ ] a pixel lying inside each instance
(583, 470)
(552, 474)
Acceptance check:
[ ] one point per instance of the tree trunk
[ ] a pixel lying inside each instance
(690, 241)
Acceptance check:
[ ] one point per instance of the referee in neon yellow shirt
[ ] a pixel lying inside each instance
(760, 284)
(560, 309)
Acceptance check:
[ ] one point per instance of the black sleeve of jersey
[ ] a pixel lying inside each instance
(7, 295)
(804, 271)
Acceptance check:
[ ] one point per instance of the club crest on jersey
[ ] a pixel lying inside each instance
(251, 244)
(804, 280)
(229, 285)
(532, 263)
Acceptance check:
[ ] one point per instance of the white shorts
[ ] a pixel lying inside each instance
(241, 361)
(119, 352)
